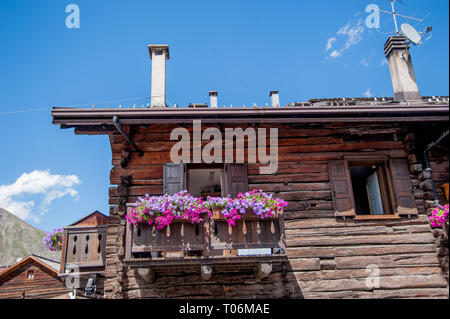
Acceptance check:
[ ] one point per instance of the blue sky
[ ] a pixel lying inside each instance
(244, 49)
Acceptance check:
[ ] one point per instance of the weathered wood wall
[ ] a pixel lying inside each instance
(44, 285)
(327, 256)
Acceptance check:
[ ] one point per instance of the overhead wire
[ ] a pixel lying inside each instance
(37, 109)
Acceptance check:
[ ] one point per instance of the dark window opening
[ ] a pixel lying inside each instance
(204, 182)
(30, 274)
(155, 254)
(370, 190)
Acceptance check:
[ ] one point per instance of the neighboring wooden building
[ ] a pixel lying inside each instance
(351, 169)
(94, 219)
(83, 254)
(82, 263)
(33, 277)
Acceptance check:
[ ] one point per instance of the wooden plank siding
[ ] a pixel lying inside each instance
(45, 284)
(327, 256)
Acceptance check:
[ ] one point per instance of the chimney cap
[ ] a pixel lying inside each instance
(154, 47)
(213, 93)
(395, 43)
(274, 92)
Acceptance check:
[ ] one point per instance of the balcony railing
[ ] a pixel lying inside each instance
(83, 249)
(213, 244)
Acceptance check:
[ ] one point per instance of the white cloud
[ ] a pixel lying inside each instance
(368, 93)
(335, 54)
(365, 62)
(383, 62)
(352, 32)
(330, 43)
(50, 187)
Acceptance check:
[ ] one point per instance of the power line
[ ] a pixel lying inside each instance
(108, 102)
(25, 111)
(37, 109)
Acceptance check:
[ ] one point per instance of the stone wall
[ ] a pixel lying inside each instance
(423, 189)
(115, 248)
(441, 236)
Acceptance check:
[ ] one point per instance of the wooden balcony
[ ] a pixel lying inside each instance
(83, 250)
(206, 247)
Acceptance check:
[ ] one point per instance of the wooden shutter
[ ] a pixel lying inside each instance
(405, 203)
(236, 179)
(173, 178)
(341, 185)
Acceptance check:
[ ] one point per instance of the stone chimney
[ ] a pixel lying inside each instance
(402, 72)
(159, 53)
(213, 98)
(275, 98)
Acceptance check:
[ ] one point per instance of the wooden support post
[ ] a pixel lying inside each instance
(282, 240)
(206, 272)
(207, 237)
(263, 270)
(148, 274)
(64, 251)
(128, 240)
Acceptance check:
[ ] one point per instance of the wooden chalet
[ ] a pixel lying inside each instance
(82, 266)
(33, 277)
(357, 174)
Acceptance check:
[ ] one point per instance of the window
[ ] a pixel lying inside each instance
(30, 274)
(206, 181)
(371, 187)
(232, 179)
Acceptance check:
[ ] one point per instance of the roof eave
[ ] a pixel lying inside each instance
(99, 117)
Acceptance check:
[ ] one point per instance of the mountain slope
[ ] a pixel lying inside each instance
(19, 239)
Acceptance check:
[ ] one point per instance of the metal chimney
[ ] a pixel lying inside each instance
(159, 53)
(213, 95)
(402, 72)
(275, 98)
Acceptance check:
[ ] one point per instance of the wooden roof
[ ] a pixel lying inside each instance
(50, 265)
(94, 219)
(102, 119)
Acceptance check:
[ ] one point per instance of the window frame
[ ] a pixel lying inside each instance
(31, 271)
(206, 167)
(233, 184)
(385, 182)
(398, 191)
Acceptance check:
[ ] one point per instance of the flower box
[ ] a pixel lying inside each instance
(249, 215)
(195, 225)
(179, 236)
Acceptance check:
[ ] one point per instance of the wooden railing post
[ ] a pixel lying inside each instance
(64, 251)
(207, 237)
(128, 240)
(282, 240)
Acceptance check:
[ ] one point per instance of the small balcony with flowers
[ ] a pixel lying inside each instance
(206, 235)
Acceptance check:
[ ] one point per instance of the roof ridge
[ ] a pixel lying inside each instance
(45, 258)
